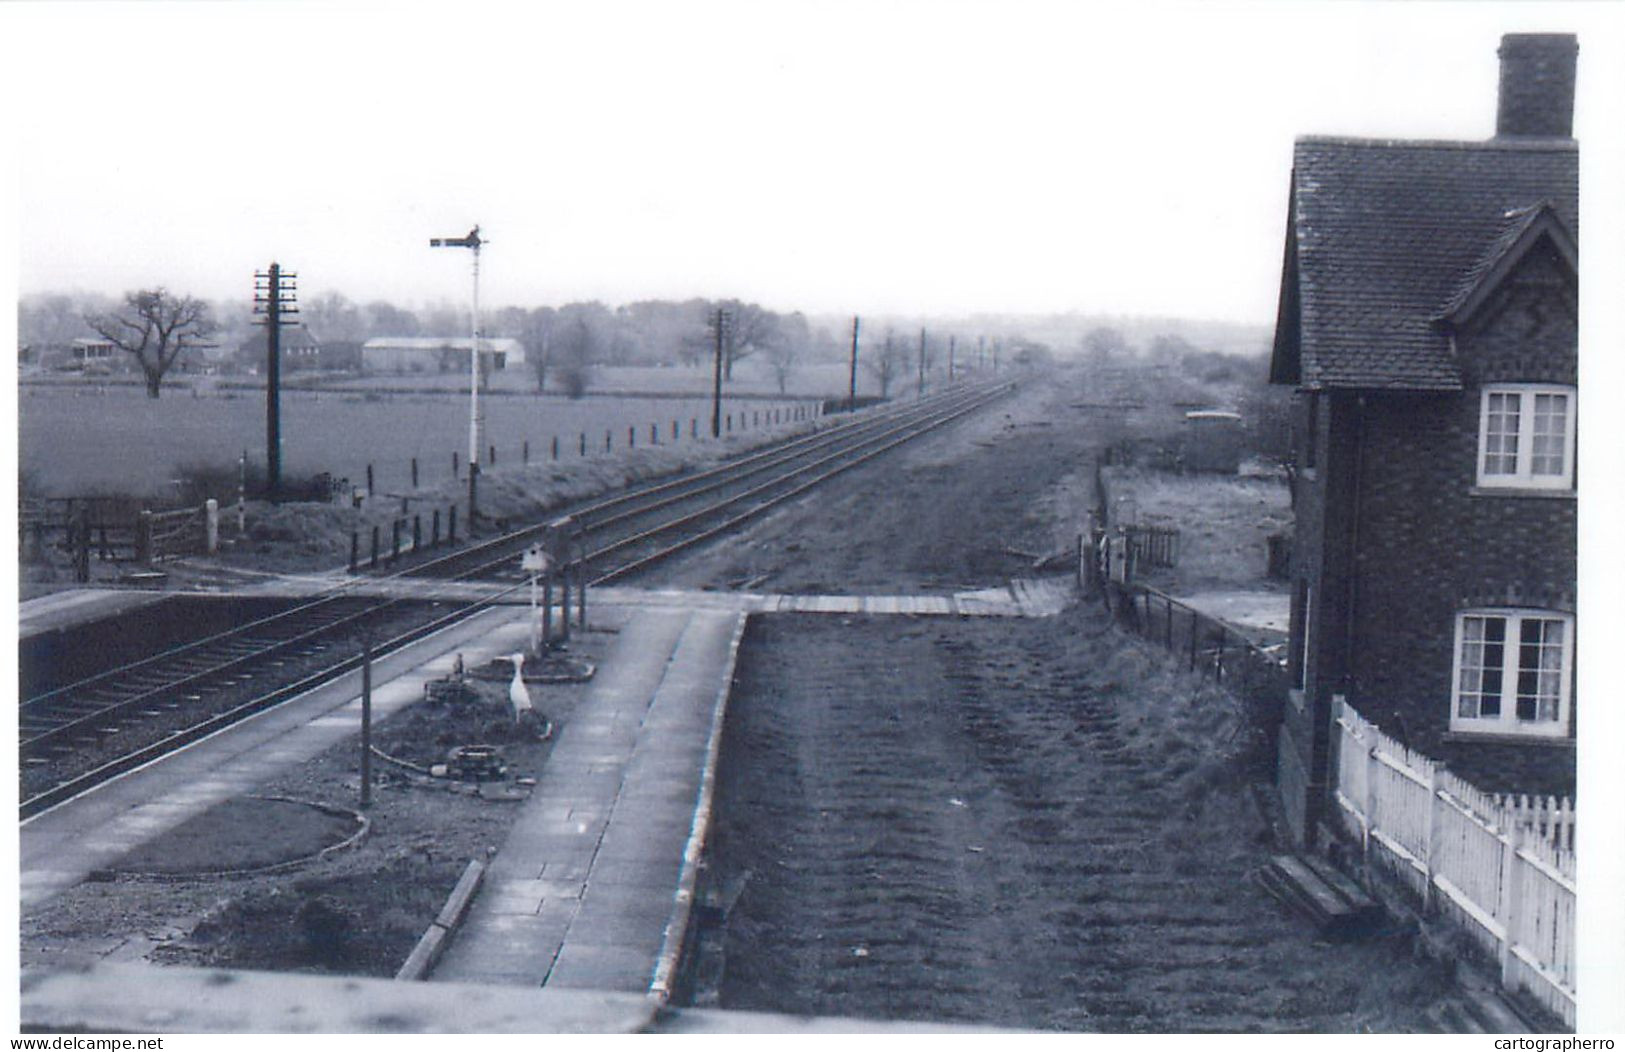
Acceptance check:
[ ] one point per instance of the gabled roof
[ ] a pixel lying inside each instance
(1387, 238)
(1522, 229)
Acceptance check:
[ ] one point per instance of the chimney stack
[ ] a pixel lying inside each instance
(1537, 86)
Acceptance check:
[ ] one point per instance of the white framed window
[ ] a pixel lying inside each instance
(1512, 672)
(1526, 436)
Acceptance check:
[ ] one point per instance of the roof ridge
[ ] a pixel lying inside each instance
(1525, 145)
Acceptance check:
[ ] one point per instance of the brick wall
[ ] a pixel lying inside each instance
(1429, 547)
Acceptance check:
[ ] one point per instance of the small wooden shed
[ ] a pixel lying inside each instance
(1213, 439)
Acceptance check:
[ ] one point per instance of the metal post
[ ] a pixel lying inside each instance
(374, 563)
(451, 525)
(435, 542)
(716, 380)
(852, 371)
(414, 472)
(370, 488)
(366, 723)
(355, 550)
(417, 531)
(564, 569)
(920, 390)
(1193, 640)
(273, 381)
(547, 609)
(454, 471)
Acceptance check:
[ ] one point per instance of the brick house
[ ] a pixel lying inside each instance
(1427, 321)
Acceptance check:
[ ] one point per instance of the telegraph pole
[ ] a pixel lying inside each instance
(475, 422)
(852, 378)
(920, 392)
(274, 296)
(720, 323)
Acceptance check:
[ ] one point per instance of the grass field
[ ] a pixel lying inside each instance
(750, 378)
(1223, 520)
(85, 438)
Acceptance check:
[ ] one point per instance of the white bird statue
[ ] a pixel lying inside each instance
(518, 693)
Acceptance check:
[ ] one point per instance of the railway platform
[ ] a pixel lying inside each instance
(591, 890)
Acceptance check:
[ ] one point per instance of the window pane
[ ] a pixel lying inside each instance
(1540, 668)
(1501, 433)
(1550, 429)
(1482, 654)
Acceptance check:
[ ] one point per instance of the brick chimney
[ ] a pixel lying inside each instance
(1537, 85)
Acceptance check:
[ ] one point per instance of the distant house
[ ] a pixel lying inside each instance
(93, 354)
(433, 354)
(300, 350)
(1428, 323)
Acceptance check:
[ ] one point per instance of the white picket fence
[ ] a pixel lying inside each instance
(1503, 870)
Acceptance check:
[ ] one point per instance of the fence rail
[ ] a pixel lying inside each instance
(1502, 870)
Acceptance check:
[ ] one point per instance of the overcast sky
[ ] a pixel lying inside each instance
(908, 157)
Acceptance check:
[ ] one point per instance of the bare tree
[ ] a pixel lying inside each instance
(750, 329)
(788, 348)
(887, 364)
(577, 346)
(1104, 344)
(537, 334)
(156, 327)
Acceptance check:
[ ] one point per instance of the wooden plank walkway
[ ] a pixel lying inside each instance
(1023, 597)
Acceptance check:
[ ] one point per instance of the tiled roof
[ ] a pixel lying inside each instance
(1388, 234)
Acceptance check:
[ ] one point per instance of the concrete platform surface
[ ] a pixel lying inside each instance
(592, 876)
(78, 606)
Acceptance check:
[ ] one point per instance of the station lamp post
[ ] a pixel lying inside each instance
(472, 242)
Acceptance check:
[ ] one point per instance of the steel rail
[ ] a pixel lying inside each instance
(918, 420)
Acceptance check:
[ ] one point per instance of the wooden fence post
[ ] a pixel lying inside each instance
(1368, 809)
(143, 537)
(1507, 908)
(1431, 829)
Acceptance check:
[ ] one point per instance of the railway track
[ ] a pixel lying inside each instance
(76, 736)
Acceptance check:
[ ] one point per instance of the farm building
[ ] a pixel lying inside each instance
(300, 350)
(92, 352)
(1428, 323)
(435, 354)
